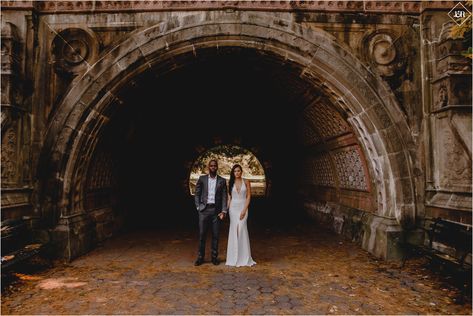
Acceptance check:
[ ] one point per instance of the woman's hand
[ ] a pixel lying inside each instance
(242, 215)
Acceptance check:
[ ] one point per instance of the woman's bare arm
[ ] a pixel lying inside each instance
(248, 199)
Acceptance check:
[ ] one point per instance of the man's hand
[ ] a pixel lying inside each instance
(221, 215)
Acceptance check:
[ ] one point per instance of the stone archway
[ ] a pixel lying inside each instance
(361, 95)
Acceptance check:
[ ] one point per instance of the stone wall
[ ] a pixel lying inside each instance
(447, 123)
(405, 47)
(16, 123)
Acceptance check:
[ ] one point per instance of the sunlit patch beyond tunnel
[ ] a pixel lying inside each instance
(228, 156)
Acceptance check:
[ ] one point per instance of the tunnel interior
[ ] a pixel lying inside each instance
(164, 120)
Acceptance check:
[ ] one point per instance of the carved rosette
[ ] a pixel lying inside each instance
(383, 53)
(382, 49)
(74, 50)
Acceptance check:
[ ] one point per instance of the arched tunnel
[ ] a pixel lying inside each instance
(329, 134)
(162, 122)
(113, 109)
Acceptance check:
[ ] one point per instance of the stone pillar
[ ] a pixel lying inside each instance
(15, 121)
(73, 236)
(447, 123)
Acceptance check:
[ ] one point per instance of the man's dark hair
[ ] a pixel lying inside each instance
(214, 160)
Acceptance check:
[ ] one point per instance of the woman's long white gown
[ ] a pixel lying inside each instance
(238, 248)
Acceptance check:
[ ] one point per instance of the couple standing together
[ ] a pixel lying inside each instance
(211, 200)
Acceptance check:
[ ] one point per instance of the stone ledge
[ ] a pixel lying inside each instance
(95, 6)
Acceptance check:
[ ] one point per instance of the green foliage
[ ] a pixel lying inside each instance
(464, 32)
(227, 156)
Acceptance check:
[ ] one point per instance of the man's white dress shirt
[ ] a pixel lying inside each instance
(212, 185)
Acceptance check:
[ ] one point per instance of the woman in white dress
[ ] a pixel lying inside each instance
(238, 249)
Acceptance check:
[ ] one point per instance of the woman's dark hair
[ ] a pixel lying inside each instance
(232, 178)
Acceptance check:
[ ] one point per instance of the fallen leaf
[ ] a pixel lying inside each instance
(8, 257)
(27, 277)
(33, 246)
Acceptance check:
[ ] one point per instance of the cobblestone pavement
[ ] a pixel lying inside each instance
(300, 271)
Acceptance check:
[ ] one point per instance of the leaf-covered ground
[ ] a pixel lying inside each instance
(301, 270)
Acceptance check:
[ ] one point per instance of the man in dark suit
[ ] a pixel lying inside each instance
(211, 203)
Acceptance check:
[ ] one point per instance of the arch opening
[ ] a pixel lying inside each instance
(320, 77)
(227, 156)
(155, 158)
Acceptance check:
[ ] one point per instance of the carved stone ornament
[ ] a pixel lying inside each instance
(101, 173)
(458, 166)
(319, 171)
(382, 49)
(350, 169)
(74, 50)
(383, 53)
(9, 154)
(442, 97)
(406, 7)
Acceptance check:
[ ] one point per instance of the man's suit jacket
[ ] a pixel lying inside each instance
(202, 190)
